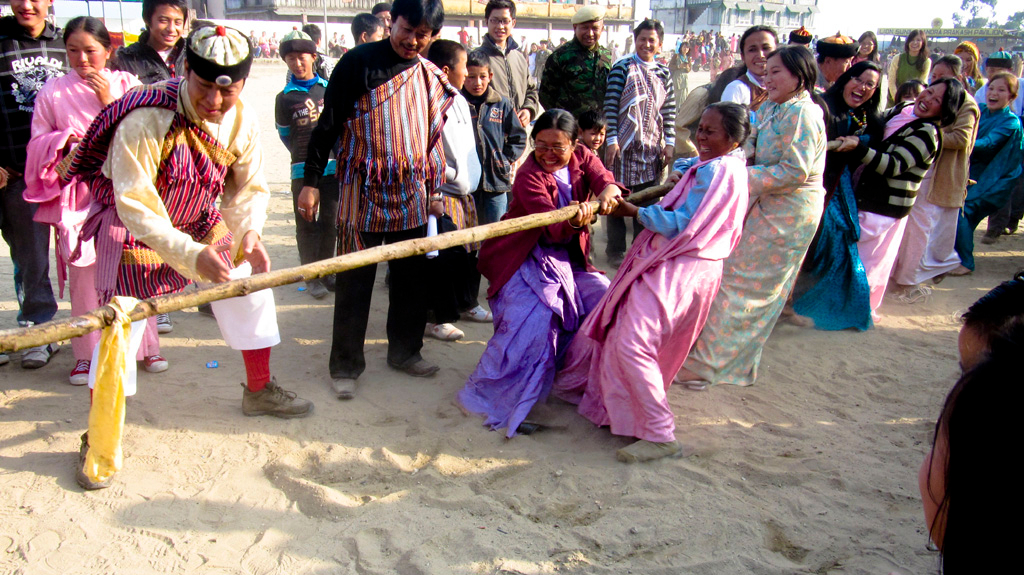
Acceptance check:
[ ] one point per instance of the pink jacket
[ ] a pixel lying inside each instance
(64, 107)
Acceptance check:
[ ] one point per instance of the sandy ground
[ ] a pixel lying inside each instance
(813, 470)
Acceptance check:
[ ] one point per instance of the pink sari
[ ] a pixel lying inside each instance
(622, 361)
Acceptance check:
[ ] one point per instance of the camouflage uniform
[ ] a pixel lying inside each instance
(575, 78)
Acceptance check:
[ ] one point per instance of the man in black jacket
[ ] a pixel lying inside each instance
(159, 53)
(31, 52)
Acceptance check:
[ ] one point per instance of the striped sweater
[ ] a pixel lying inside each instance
(640, 111)
(893, 172)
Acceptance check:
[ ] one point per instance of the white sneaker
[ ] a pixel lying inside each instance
(478, 314)
(4, 359)
(36, 357)
(444, 331)
(163, 323)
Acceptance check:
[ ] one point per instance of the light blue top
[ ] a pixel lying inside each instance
(670, 222)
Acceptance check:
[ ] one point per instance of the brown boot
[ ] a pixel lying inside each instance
(644, 450)
(272, 400)
(80, 477)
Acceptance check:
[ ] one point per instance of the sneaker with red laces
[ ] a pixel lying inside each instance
(80, 375)
(155, 363)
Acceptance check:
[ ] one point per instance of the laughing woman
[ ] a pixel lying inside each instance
(912, 64)
(542, 282)
(786, 200)
(893, 171)
(832, 288)
(995, 163)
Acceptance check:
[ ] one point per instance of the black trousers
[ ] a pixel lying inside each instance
(407, 308)
(317, 240)
(1010, 214)
(455, 281)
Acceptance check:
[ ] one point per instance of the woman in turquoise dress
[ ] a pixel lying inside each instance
(786, 201)
(995, 164)
(833, 287)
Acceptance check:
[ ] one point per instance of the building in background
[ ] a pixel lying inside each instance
(733, 17)
(534, 20)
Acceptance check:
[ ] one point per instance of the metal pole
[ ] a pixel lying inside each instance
(103, 5)
(324, 37)
(120, 9)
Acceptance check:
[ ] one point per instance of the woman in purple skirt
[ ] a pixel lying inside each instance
(542, 283)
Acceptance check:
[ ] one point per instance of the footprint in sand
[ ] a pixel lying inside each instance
(330, 482)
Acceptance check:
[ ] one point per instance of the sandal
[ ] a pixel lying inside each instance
(693, 384)
(960, 271)
(915, 294)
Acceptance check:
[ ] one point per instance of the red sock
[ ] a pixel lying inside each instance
(257, 368)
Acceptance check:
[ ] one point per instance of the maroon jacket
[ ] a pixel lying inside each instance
(535, 191)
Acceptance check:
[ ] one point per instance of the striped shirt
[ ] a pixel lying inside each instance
(898, 167)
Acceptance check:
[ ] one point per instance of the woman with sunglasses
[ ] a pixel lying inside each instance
(542, 283)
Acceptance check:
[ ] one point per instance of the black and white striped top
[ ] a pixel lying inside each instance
(893, 172)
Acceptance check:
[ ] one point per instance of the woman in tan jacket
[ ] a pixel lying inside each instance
(926, 252)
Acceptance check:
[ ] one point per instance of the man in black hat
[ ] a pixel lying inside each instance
(835, 54)
(801, 37)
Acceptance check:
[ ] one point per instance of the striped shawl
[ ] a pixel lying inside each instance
(391, 155)
(190, 177)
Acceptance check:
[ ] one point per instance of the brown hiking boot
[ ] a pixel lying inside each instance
(83, 480)
(272, 400)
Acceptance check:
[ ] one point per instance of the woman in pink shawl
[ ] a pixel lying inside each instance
(64, 109)
(619, 366)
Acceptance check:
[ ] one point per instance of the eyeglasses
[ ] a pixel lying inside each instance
(867, 85)
(500, 22)
(542, 149)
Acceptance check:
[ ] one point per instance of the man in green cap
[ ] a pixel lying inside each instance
(576, 73)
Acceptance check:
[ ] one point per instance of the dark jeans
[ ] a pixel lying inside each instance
(407, 308)
(30, 249)
(491, 206)
(318, 239)
(1010, 214)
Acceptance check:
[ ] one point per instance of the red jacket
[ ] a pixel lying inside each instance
(535, 191)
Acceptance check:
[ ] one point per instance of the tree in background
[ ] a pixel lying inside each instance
(975, 13)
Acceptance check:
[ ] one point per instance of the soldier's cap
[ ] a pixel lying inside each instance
(296, 41)
(219, 54)
(1000, 59)
(588, 13)
(800, 36)
(838, 46)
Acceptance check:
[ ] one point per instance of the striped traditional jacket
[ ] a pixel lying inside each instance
(893, 171)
